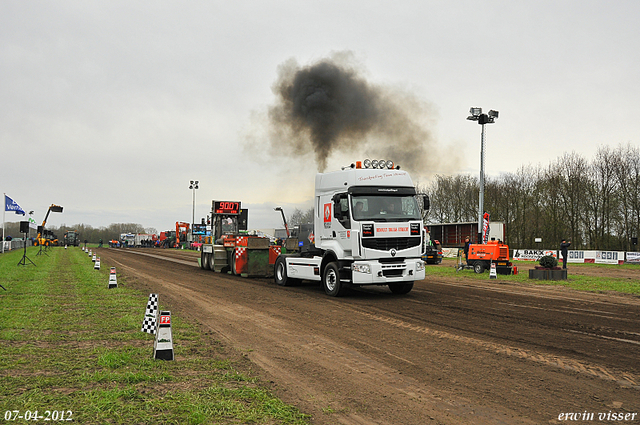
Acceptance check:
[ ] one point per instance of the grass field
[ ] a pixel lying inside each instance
(72, 349)
(595, 283)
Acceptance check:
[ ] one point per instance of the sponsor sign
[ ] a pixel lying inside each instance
(633, 257)
(607, 257)
(532, 254)
(575, 256)
(392, 230)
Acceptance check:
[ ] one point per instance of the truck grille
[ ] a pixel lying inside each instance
(392, 272)
(385, 244)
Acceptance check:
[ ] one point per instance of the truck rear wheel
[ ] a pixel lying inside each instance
(331, 280)
(401, 288)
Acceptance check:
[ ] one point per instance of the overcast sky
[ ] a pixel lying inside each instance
(110, 108)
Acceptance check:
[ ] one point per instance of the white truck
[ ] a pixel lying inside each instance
(367, 230)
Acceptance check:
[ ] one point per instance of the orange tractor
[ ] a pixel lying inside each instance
(482, 255)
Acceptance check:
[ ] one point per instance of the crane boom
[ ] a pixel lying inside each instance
(52, 208)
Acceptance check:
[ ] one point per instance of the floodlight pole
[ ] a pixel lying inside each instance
(193, 186)
(481, 200)
(477, 115)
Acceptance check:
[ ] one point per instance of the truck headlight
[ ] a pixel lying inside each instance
(419, 266)
(362, 268)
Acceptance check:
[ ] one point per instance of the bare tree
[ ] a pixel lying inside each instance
(627, 172)
(301, 217)
(453, 198)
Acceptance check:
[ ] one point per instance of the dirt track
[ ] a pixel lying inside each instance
(449, 352)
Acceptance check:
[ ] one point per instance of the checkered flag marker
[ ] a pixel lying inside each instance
(150, 316)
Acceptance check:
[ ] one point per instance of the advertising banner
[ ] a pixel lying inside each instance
(633, 257)
(576, 256)
(532, 254)
(609, 257)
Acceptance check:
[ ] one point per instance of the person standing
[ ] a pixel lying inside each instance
(564, 249)
(467, 242)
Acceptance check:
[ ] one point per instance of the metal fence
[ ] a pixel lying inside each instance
(15, 244)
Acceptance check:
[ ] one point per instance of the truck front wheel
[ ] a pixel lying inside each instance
(401, 288)
(331, 280)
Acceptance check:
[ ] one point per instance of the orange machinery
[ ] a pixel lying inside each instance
(182, 230)
(482, 255)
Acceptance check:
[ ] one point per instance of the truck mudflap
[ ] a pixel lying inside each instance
(379, 273)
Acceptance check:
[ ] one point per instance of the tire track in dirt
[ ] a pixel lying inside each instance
(620, 377)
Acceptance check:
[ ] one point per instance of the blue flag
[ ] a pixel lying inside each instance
(11, 205)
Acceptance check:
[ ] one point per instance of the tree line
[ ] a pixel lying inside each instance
(87, 232)
(593, 203)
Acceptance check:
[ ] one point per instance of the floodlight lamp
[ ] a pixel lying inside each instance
(367, 163)
(374, 163)
(277, 209)
(493, 114)
(475, 112)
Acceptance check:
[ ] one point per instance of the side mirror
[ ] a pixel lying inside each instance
(426, 203)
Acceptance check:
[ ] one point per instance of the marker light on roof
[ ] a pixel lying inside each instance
(378, 163)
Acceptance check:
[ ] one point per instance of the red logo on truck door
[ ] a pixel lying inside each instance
(327, 216)
(327, 213)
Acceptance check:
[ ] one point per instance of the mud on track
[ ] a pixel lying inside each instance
(449, 352)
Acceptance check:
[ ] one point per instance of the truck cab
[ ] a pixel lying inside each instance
(367, 231)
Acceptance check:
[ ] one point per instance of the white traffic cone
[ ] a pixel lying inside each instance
(96, 266)
(163, 345)
(492, 272)
(113, 280)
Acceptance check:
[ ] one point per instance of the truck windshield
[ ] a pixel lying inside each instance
(384, 208)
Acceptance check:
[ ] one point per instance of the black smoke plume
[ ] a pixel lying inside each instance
(329, 106)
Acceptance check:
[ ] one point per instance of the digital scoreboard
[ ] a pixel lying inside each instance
(226, 207)
(199, 229)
